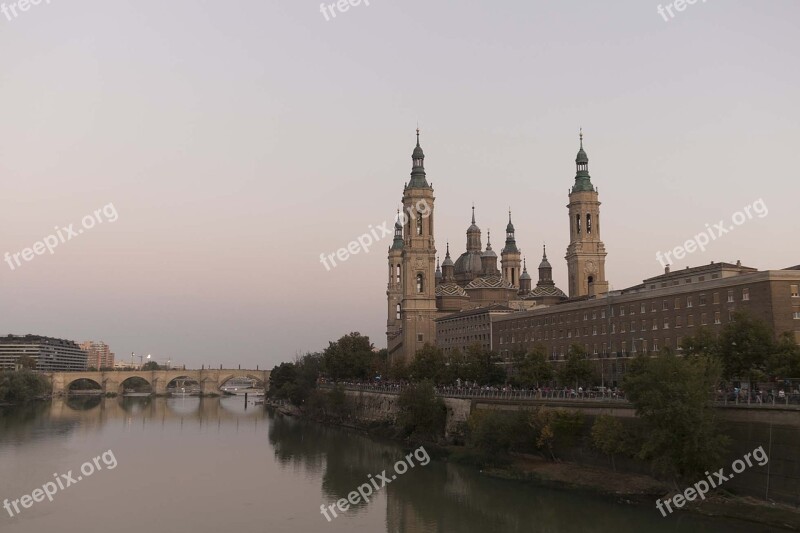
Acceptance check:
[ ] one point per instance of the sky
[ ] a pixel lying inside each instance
(225, 146)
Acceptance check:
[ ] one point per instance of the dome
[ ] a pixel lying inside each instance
(469, 263)
(447, 261)
(582, 157)
(543, 292)
(525, 275)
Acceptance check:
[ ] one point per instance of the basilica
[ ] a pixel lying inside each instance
(421, 290)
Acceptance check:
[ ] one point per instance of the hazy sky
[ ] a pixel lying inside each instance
(237, 141)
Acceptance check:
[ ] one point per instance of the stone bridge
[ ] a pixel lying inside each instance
(112, 381)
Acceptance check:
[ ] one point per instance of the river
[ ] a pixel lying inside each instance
(216, 465)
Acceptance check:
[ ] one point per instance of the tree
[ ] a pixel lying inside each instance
(22, 386)
(428, 364)
(482, 366)
(681, 437)
(784, 361)
(422, 415)
(26, 362)
(703, 342)
(608, 436)
(577, 368)
(534, 368)
(350, 357)
(745, 344)
(151, 365)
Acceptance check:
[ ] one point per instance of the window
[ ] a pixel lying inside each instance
(678, 321)
(793, 290)
(398, 273)
(604, 329)
(730, 295)
(578, 223)
(655, 345)
(666, 323)
(664, 305)
(633, 325)
(652, 307)
(702, 299)
(613, 328)
(677, 303)
(701, 278)
(622, 327)
(655, 324)
(688, 301)
(397, 316)
(688, 280)
(420, 284)
(745, 294)
(690, 321)
(419, 223)
(589, 223)
(717, 318)
(594, 315)
(624, 347)
(586, 316)
(644, 325)
(643, 309)
(633, 309)
(621, 310)
(603, 313)
(594, 328)
(419, 337)
(703, 319)
(612, 312)
(715, 299)
(797, 315)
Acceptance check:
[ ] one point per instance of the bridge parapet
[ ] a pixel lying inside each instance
(210, 380)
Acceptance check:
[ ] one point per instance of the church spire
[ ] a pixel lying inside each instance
(583, 181)
(418, 167)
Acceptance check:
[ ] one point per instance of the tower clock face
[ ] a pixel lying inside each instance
(590, 267)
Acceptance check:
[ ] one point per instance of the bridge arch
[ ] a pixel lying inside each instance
(127, 383)
(85, 383)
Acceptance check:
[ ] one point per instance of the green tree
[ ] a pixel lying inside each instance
(422, 415)
(350, 357)
(703, 342)
(745, 344)
(150, 365)
(671, 396)
(481, 365)
(784, 361)
(534, 368)
(26, 362)
(428, 364)
(22, 386)
(577, 369)
(608, 436)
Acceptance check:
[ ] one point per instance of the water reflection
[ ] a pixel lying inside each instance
(222, 464)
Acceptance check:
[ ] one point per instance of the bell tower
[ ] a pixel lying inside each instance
(586, 253)
(417, 311)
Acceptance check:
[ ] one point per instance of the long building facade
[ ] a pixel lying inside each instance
(50, 355)
(654, 315)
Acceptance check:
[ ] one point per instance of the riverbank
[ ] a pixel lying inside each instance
(623, 487)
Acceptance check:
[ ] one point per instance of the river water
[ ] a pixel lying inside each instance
(216, 465)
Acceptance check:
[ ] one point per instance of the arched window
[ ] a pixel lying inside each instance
(398, 312)
(420, 284)
(419, 223)
(578, 223)
(588, 223)
(398, 273)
